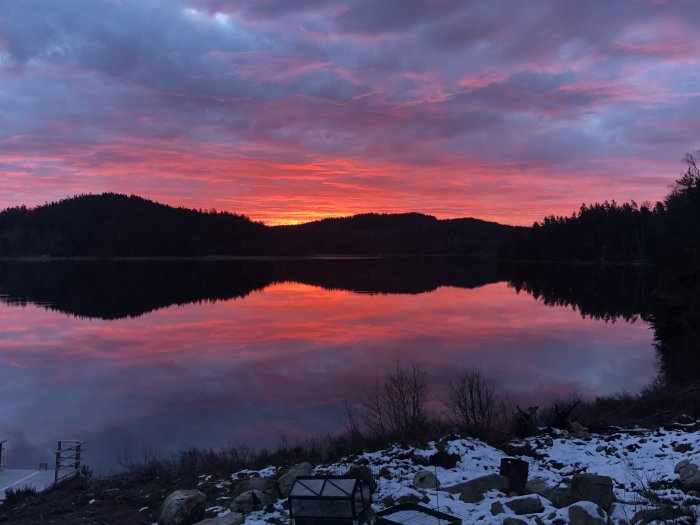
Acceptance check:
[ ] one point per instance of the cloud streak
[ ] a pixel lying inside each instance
(289, 111)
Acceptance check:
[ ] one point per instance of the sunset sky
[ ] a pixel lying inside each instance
(290, 110)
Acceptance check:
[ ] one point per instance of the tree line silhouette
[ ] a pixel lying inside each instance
(114, 225)
(667, 232)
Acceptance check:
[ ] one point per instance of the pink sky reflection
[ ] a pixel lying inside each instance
(285, 358)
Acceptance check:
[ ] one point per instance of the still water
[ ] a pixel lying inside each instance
(278, 358)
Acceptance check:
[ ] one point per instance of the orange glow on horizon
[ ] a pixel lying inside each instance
(278, 192)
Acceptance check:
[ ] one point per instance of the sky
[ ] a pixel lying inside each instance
(293, 110)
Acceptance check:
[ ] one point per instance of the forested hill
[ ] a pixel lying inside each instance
(665, 233)
(118, 225)
(406, 233)
(114, 225)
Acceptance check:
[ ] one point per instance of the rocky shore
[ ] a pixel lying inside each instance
(635, 477)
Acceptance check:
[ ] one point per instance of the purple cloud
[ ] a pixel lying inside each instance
(203, 102)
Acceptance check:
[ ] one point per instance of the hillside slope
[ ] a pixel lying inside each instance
(113, 225)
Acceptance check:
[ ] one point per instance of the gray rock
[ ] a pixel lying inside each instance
(286, 480)
(592, 487)
(408, 498)
(679, 466)
(362, 472)
(234, 518)
(663, 514)
(689, 474)
(525, 505)
(182, 507)
(514, 521)
(587, 513)
(578, 430)
(473, 491)
(497, 508)
(560, 496)
(539, 486)
(425, 480)
(454, 489)
(266, 485)
(250, 501)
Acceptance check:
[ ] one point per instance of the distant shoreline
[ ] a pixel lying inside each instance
(213, 258)
(314, 257)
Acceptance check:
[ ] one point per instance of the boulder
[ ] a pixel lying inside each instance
(531, 504)
(425, 480)
(250, 501)
(362, 472)
(497, 508)
(663, 514)
(689, 474)
(514, 521)
(578, 430)
(408, 498)
(592, 487)
(233, 518)
(182, 507)
(473, 491)
(454, 489)
(539, 486)
(560, 496)
(587, 513)
(266, 485)
(287, 479)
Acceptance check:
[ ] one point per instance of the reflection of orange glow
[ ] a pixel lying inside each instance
(292, 322)
(298, 351)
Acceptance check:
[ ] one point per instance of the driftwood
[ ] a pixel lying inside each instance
(525, 422)
(561, 417)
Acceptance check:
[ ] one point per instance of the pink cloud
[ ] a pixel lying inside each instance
(317, 108)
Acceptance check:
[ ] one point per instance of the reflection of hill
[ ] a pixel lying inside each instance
(607, 293)
(618, 292)
(111, 289)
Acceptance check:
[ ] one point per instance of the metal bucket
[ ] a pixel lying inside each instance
(516, 472)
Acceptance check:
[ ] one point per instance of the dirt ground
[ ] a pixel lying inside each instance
(112, 501)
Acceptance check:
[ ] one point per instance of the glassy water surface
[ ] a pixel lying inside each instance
(162, 356)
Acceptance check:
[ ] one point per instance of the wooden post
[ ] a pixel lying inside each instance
(77, 457)
(2, 443)
(58, 461)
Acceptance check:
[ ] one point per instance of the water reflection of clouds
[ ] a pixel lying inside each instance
(284, 360)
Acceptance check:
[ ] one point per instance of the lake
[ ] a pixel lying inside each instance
(164, 355)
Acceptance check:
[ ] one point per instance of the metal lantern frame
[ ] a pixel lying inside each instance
(326, 489)
(414, 514)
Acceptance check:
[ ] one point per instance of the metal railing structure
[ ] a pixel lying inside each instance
(68, 454)
(2, 446)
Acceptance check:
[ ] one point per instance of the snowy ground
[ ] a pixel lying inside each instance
(640, 463)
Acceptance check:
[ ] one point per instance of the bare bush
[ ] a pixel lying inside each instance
(475, 408)
(397, 405)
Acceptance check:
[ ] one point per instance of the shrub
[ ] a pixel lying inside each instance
(397, 405)
(475, 408)
(15, 496)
